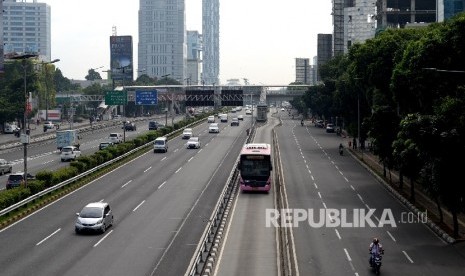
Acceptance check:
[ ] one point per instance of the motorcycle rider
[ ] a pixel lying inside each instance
(375, 249)
(302, 122)
(340, 148)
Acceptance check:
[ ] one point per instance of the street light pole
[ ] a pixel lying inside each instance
(46, 85)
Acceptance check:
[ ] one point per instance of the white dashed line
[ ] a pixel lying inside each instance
(352, 187)
(147, 169)
(163, 158)
(126, 184)
(159, 187)
(319, 194)
(337, 233)
(176, 150)
(348, 256)
(345, 178)
(190, 159)
(49, 236)
(312, 177)
(407, 256)
(324, 205)
(360, 197)
(392, 237)
(137, 207)
(178, 170)
(101, 240)
(200, 150)
(316, 187)
(368, 207)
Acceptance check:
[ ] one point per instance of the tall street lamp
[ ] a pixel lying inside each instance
(46, 85)
(25, 135)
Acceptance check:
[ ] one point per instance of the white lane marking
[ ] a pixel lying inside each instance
(190, 159)
(352, 187)
(148, 169)
(159, 187)
(312, 177)
(337, 168)
(347, 180)
(207, 144)
(330, 219)
(324, 205)
(49, 236)
(360, 197)
(178, 170)
(407, 256)
(316, 187)
(332, 162)
(376, 218)
(368, 207)
(163, 158)
(319, 194)
(137, 207)
(390, 235)
(337, 233)
(104, 237)
(347, 254)
(126, 184)
(341, 173)
(101, 200)
(176, 150)
(200, 150)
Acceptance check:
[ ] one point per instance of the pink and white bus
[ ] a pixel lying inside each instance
(255, 167)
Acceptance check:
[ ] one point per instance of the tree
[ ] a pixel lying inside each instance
(93, 75)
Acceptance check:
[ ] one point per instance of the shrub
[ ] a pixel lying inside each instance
(105, 155)
(88, 160)
(46, 177)
(63, 174)
(79, 165)
(36, 186)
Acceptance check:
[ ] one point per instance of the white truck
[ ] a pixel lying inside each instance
(67, 138)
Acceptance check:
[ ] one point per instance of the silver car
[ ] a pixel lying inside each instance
(5, 167)
(95, 216)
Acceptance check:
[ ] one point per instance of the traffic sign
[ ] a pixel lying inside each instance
(146, 97)
(116, 98)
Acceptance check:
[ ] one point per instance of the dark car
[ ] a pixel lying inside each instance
(130, 126)
(153, 125)
(17, 179)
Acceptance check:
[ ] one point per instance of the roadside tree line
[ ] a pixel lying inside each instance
(410, 88)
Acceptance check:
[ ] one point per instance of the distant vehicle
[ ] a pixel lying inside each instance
(282, 109)
(187, 133)
(10, 128)
(193, 143)
(235, 121)
(211, 119)
(160, 144)
(95, 216)
(117, 117)
(319, 123)
(17, 179)
(5, 167)
(213, 128)
(66, 138)
(238, 108)
(153, 125)
(233, 110)
(224, 118)
(240, 117)
(104, 145)
(330, 128)
(262, 110)
(69, 153)
(248, 112)
(49, 125)
(130, 126)
(255, 167)
(116, 138)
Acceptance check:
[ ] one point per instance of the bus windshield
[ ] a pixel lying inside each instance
(253, 166)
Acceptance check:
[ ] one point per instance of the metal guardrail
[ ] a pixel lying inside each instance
(84, 174)
(205, 255)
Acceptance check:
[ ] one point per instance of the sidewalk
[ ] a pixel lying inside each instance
(422, 200)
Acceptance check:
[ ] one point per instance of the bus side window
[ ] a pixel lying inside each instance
(239, 165)
(271, 167)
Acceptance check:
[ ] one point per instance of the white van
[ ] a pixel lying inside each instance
(115, 138)
(224, 118)
(10, 128)
(160, 145)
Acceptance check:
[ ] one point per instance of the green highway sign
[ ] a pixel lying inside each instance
(116, 98)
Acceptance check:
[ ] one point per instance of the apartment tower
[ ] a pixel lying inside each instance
(211, 41)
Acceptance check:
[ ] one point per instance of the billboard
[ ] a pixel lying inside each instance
(121, 58)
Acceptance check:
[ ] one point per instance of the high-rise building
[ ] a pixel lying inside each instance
(324, 51)
(360, 22)
(194, 58)
(449, 8)
(398, 13)
(302, 71)
(2, 66)
(26, 28)
(338, 26)
(211, 41)
(162, 38)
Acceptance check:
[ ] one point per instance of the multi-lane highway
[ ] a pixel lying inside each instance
(161, 204)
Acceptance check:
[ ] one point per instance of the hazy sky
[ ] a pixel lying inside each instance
(259, 39)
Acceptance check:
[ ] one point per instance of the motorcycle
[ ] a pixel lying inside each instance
(341, 152)
(302, 123)
(376, 263)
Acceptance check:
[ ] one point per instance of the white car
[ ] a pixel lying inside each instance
(11, 128)
(69, 153)
(213, 128)
(211, 119)
(193, 143)
(49, 125)
(187, 133)
(5, 166)
(115, 138)
(248, 112)
(240, 117)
